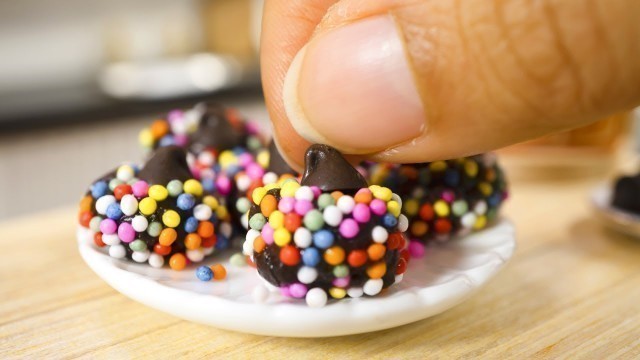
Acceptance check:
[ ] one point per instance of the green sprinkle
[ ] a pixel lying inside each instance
(341, 271)
(138, 245)
(94, 224)
(325, 200)
(242, 205)
(257, 221)
(174, 187)
(133, 181)
(154, 229)
(313, 220)
(114, 182)
(459, 207)
(238, 259)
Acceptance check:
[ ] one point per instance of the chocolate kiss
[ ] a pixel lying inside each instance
(327, 169)
(215, 131)
(166, 164)
(276, 161)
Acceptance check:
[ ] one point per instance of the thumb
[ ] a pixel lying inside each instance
(413, 81)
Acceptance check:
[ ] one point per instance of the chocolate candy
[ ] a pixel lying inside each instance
(331, 237)
(157, 214)
(444, 199)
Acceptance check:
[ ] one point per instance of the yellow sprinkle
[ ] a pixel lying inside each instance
(289, 188)
(441, 208)
(394, 208)
(481, 222)
(411, 207)
(211, 201)
(281, 237)
(283, 178)
(193, 187)
(222, 212)
(276, 219)
(485, 188)
(158, 192)
(257, 195)
(438, 166)
(471, 168)
(263, 159)
(337, 293)
(147, 206)
(227, 158)
(171, 218)
(373, 188)
(145, 138)
(271, 186)
(382, 193)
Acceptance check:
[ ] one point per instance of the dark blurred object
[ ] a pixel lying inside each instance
(77, 59)
(626, 194)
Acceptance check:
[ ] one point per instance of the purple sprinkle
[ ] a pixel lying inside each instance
(108, 226)
(349, 228)
(297, 290)
(126, 233)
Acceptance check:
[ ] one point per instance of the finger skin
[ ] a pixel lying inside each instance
(489, 73)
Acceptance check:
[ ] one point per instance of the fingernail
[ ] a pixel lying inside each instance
(352, 88)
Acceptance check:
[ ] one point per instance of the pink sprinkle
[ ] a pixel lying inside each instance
(206, 173)
(255, 171)
(252, 127)
(297, 290)
(286, 204)
(175, 115)
(316, 191)
(140, 189)
(342, 282)
(302, 207)
(267, 234)
(108, 226)
(349, 228)
(181, 139)
(224, 185)
(416, 249)
(284, 290)
(378, 207)
(245, 159)
(448, 196)
(361, 213)
(126, 232)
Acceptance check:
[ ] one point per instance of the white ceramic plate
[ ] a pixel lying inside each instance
(619, 220)
(446, 276)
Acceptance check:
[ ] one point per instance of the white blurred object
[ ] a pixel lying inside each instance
(170, 77)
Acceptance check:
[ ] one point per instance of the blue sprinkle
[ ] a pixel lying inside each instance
(167, 140)
(186, 201)
(232, 170)
(323, 239)
(389, 221)
(494, 200)
(191, 225)
(204, 273)
(99, 189)
(222, 242)
(452, 177)
(208, 185)
(310, 256)
(114, 212)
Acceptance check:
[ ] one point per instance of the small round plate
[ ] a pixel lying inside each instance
(447, 275)
(619, 220)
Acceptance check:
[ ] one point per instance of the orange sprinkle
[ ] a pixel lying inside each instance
(85, 203)
(336, 195)
(161, 249)
(159, 128)
(376, 251)
(292, 221)
(178, 261)
(84, 218)
(192, 241)
(167, 237)
(205, 229)
(210, 241)
(268, 205)
(363, 196)
(259, 244)
(394, 240)
(377, 270)
(334, 255)
(357, 258)
(219, 272)
(419, 228)
(289, 255)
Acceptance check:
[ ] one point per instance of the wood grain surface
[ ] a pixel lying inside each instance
(571, 291)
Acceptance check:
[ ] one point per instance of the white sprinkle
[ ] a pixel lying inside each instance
(117, 251)
(480, 208)
(467, 220)
(302, 237)
(206, 158)
(307, 274)
(403, 223)
(125, 173)
(379, 234)
(372, 286)
(260, 294)
(156, 260)
(332, 215)
(129, 205)
(140, 256)
(355, 292)
(270, 178)
(346, 204)
(202, 212)
(103, 203)
(195, 255)
(247, 246)
(399, 278)
(139, 223)
(111, 239)
(316, 298)
(304, 193)
(243, 182)
(208, 250)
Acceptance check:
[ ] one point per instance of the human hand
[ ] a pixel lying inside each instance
(419, 80)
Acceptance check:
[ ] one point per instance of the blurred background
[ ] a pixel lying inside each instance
(80, 78)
